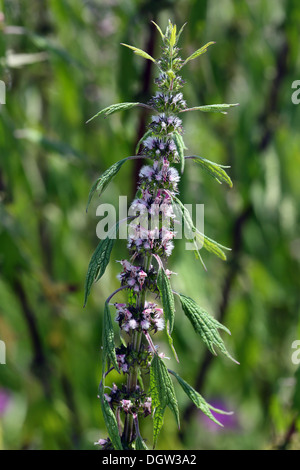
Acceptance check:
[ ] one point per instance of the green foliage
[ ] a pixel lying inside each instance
(205, 325)
(110, 421)
(199, 52)
(103, 181)
(140, 443)
(114, 108)
(108, 341)
(99, 261)
(139, 52)
(168, 303)
(198, 400)
(214, 169)
(180, 147)
(162, 394)
(212, 108)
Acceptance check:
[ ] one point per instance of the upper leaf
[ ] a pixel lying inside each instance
(205, 325)
(214, 169)
(114, 108)
(211, 108)
(200, 51)
(140, 52)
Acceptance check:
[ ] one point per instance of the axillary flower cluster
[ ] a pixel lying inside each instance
(147, 388)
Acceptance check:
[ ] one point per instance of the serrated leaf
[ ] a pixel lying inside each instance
(114, 108)
(168, 303)
(99, 261)
(110, 421)
(212, 108)
(214, 169)
(197, 399)
(179, 144)
(108, 341)
(205, 325)
(162, 394)
(103, 181)
(140, 444)
(199, 52)
(199, 239)
(167, 298)
(139, 52)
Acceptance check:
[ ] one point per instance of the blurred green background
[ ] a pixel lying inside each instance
(62, 62)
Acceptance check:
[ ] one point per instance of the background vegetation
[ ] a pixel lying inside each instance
(62, 62)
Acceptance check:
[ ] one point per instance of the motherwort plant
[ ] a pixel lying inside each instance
(155, 214)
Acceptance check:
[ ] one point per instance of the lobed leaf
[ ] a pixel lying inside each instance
(139, 52)
(162, 394)
(205, 325)
(110, 421)
(114, 108)
(214, 169)
(99, 262)
(109, 352)
(103, 181)
(199, 52)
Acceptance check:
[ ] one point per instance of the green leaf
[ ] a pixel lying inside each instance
(197, 53)
(109, 352)
(162, 394)
(99, 261)
(214, 169)
(167, 297)
(139, 52)
(199, 238)
(168, 303)
(114, 108)
(103, 181)
(110, 421)
(212, 108)
(198, 400)
(205, 325)
(178, 141)
(159, 30)
(173, 37)
(140, 444)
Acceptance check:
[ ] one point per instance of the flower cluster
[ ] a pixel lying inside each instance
(165, 102)
(166, 81)
(132, 276)
(165, 124)
(155, 147)
(130, 318)
(136, 403)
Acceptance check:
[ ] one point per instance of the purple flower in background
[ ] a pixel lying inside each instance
(4, 400)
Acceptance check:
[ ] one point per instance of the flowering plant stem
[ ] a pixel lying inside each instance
(151, 224)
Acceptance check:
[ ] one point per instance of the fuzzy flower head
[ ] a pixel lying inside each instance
(163, 124)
